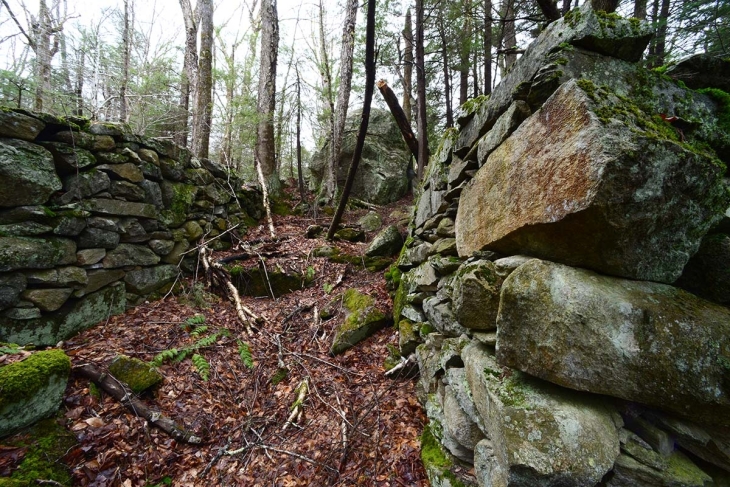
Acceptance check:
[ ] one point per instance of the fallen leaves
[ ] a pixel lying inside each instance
(357, 427)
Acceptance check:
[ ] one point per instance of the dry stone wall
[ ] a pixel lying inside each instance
(93, 218)
(565, 282)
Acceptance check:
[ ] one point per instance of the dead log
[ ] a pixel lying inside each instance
(124, 395)
(399, 116)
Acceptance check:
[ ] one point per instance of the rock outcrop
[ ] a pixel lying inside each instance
(381, 175)
(549, 270)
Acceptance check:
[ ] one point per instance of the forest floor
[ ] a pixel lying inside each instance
(358, 426)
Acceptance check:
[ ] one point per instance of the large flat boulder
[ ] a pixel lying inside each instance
(541, 435)
(611, 191)
(646, 342)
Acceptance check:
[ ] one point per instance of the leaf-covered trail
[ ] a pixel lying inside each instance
(357, 427)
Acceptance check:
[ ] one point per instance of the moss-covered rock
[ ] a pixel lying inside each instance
(19, 126)
(137, 374)
(362, 319)
(386, 243)
(642, 341)
(72, 318)
(554, 436)
(35, 253)
(27, 173)
(32, 389)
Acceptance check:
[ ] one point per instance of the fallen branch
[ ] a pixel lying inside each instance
(297, 407)
(121, 393)
(222, 275)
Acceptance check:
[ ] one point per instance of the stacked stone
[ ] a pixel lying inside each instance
(93, 217)
(537, 278)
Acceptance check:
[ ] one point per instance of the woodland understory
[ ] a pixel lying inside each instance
(357, 427)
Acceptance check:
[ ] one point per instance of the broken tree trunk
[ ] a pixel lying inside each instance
(399, 115)
(121, 393)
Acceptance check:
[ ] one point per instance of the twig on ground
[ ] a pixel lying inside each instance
(298, 406)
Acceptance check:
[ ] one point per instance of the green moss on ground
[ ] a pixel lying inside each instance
(47, 442)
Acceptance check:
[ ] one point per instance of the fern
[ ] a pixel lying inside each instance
(199, 330)
(195, 320)
(201, 365)
(244, 351)
(164, 356)
(206, 341)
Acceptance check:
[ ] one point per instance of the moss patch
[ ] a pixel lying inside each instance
(138, 375)
(362, 320)
(22, 380)
(46, 442)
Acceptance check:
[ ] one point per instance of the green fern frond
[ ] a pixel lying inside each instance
(181, 355)
(195, 320)
(205, 341)
(199, 330)
(244, 351)
(201, 365)
(164, 356)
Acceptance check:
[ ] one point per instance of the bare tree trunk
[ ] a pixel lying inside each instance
(608, 6)
(189, 76)
(347, 49)
(661, 34)
(640, 9)
(549, 10)
(408, 67)
(509, 36)
(46, 46)
(65, 70)
(464, 51)
(421, 82)
(79, 85)
(369, 82)
(487, 47)
(566, 7)
(299, 136)
(329, 187)
(447, 74)
(266, 106)
(125, 65)
(204, 91)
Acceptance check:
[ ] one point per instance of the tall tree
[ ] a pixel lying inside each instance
(204, 90)
(464, 51)
(43, 38)
(265, 143)
(408, 66)
(422, 124)
(189, 76)
(330, 176)
(487, 46)
(362, 132)
(640, 9)
(347, 49)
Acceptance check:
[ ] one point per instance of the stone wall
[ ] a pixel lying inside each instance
(542, 285)
(94, 218)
